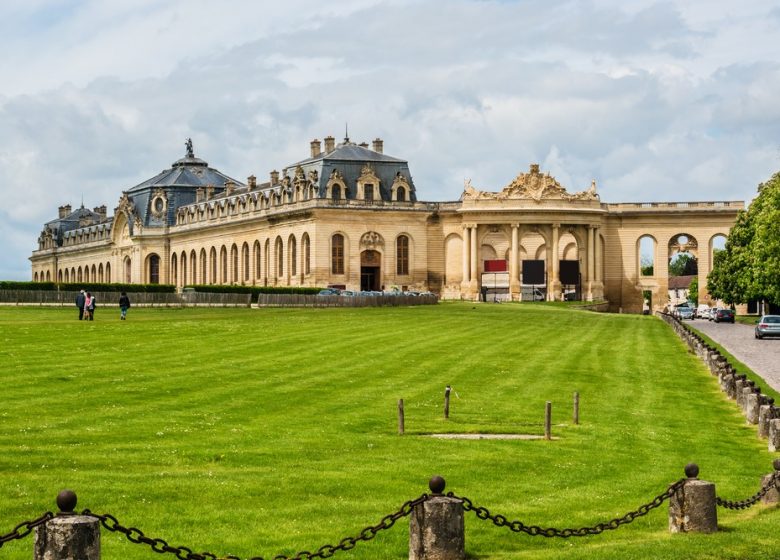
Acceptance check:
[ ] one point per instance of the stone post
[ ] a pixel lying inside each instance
(68, 536)
(751, 407)
(773, 496)
(436, 527)
(739, 384)
(764, 417)
(692, 508)
(774, 435)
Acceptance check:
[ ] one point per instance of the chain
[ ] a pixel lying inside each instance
(534, 530)
(25, 528)
(773, 482)
(137, 536)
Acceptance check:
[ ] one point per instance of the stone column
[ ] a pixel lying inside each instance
(773, 496)
(474, 263)
(692, 508)
(436, 527)
(590, 263)
(466, 258)
(555, 281)
(514, 272)
(68, 536)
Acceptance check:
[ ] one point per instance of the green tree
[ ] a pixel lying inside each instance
(683, 264)
(693, 291)
(748, 268)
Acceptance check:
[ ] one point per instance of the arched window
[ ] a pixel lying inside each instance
(203, 267)
(292, 253)
(48, 276)
(213, 276)
(194, 267)
(279, 257)
(400, 194)
(59, 276)
(337, 254)
(223, 265)
(128, 270)
(245, 261)
(35, 277)
(336, 192)
(306, 243)
(646, 250)
(100, 273)
(234, 264)
(94, 273)
(402, 255)
(267, 260)
(108, 272)
(258, 260)
(174, 267)
(154, 269)
(183, 268)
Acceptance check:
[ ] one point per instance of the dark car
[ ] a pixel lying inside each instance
(768, 325)
(724, 315)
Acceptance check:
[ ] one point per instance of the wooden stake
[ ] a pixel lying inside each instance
(447, 401)
(548, 420)
(400, 417)
(576, 408)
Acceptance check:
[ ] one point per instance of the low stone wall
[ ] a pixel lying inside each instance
(758, 408)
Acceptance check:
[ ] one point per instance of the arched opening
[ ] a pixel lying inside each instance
(128, 270)
(223, 265)
(292, 255)
(683, 270)
(245, 262)
(533, 269)
(400, 194)
(306, 243)
(183, 265)
(174, 267)
(203, 267)
(646, 255)
(108, 272)
(100, 273)
(258, 261)
(337, 254)
(153, 269)
(336, 192)
(279, 247)
(213, 262)
(234, 276)
(402, 254)
(370, 271)
(194, 267)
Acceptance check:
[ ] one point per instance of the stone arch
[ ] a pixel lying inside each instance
(306, 253)
(100, 273)
(174, 268)
(682, 244)
(183, 266)
(204, 266)
(213, 265)
(234, 275)
(223, 265)
(279, 254)
(453, 259)
(193, 267)
(646, 256)
(717, 242)
(292, 256)
(245, 262)
(258, 259)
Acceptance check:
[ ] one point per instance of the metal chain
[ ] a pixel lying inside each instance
(534, 530)
(137, 536)
(25, 528)
(773, 482)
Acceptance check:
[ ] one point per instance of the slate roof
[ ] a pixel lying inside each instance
(186, 172)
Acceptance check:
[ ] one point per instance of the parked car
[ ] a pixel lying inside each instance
(684, 313)
(768, 325)
(711, 313)
(329, 292)
(724, 315)
(703, 311)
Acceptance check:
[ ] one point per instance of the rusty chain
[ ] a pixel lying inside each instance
(773, 482)
(534, 530)
(137, 536)
(25, 528)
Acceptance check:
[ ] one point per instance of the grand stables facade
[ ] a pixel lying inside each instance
(349, 216)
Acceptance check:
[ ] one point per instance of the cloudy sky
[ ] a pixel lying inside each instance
(656, 101)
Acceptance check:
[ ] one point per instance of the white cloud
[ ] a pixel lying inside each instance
(654, 100)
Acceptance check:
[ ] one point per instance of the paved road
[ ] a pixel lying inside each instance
(762, 356)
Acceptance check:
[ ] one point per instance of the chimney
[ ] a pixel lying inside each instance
(230, 186)
(252, 182)
(363, 144)
(378, 145)
(274, 178)
(315, 148)
(200, 194)
(101, 211)
(209, 192)
(65, 211)
(330, 144)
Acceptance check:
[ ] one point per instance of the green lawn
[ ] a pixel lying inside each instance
(263, 432)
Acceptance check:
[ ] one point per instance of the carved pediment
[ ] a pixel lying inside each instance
(368, 175)
(371, 240)
(533, 185)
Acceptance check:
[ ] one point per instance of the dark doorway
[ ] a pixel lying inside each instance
(370, 271)
(571, 280)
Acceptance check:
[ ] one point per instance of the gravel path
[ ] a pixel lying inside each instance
(762, 356)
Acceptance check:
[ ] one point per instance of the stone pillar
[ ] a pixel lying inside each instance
(68, 536)
(514, 264)
(466, 258)
(751, 407)
(436, 527)
(773, 496)
(474, 263)
(555, 281)
(774, 435)
(764, 417)
(590, 263)
(692, 508)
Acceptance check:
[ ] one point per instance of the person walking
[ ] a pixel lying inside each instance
(124, 305)
(80, 304)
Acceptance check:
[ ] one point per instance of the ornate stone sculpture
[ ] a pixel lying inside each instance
(532, 185)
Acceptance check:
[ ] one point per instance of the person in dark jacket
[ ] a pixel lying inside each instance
(80, 304)
(124, 305)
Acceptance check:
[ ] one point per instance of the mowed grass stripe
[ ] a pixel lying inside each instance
(270, 431)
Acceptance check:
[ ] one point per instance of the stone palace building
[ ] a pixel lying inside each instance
(349, 216)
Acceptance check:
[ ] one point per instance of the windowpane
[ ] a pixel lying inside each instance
(402, 255)
(337, 254)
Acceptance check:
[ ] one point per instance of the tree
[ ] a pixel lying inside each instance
(748, 268)
(683, 264)
(693, 290)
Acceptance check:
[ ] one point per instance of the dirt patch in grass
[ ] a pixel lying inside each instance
(488, 436)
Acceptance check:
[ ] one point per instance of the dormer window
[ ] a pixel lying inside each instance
(368, 192)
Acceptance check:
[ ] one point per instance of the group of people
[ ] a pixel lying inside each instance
(86, 303)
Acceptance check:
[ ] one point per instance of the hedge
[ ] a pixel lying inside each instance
(254, 290)
(87, 286)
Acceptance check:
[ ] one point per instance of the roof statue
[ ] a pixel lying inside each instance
(532, 185)
(190, 151)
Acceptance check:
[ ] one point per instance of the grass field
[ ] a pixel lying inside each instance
(263, 432)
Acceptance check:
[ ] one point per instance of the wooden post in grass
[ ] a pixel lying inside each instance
(436, 527)
(692, 507)
(447, 401)
(576, 408)
(67, 535)
(548, 420)
(400, 417)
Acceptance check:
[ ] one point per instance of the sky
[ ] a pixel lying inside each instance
(656, 101)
